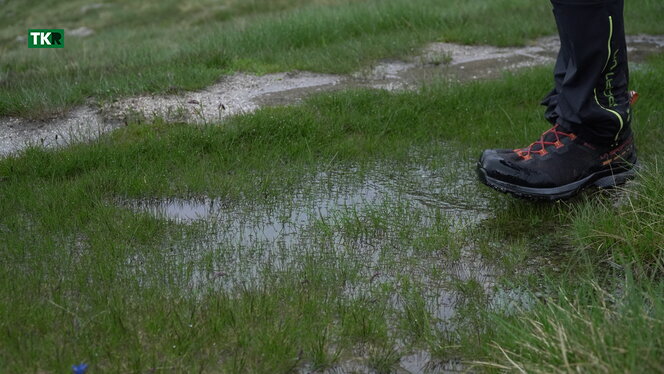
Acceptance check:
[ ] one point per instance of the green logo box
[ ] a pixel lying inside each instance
(46, 38)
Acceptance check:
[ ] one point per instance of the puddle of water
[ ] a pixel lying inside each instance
(179, 210)
(415, 363)
(243, 93)
(422, 362)
(365, 221)
(246, 238)
(328, 193)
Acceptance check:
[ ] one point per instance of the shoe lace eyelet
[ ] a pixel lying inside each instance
(526, 153)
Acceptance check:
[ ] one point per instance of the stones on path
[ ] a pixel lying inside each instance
(80, 32)
(244, 93)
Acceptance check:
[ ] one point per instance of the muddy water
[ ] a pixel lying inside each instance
(242, 93)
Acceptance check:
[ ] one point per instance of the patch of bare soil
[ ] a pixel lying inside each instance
(243, 93)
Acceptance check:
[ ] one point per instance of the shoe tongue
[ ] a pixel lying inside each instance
(548, 136)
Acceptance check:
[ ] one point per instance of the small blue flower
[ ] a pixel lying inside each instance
(79, 369)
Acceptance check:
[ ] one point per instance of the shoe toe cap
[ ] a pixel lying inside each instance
(506, 167)
(489, 153)
(494, 162)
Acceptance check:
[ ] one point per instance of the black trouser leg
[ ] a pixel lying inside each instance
(559, 70)
(591, 74)
(551, 99)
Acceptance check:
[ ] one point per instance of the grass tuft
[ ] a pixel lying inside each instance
(168, 46)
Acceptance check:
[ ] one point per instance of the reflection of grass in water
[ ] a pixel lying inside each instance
(383, 358)
(109, 286)
(383, 228)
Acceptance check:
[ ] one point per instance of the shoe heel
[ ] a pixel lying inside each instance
(615, 179)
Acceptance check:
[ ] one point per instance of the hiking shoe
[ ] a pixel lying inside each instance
(557, 166)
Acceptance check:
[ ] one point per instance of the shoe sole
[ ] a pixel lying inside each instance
(603, 179)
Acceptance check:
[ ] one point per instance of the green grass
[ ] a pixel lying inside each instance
(169, 46)
(605, 312)
(588, 330)
(86, 279)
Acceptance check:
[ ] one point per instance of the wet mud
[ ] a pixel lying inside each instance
(244, 93)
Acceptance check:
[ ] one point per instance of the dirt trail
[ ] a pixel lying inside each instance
(241, 93)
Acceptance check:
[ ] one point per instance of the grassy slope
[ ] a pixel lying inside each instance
(62, 302)
(187, 45)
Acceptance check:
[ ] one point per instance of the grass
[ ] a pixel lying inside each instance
(336, 36)
(613, 320)
(88, 279)
(349, 230)
(591, 330)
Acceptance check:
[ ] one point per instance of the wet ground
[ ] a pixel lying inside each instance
(381, 223)
(331, 205)
(241, 93)
(418, 362)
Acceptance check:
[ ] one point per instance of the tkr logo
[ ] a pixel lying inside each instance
(46, 38)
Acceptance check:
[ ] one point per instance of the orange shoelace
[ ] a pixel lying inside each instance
(526, 153)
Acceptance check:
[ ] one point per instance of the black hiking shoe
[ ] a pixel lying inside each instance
(557, 166)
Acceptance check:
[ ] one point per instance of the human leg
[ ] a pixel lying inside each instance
(590, 142)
